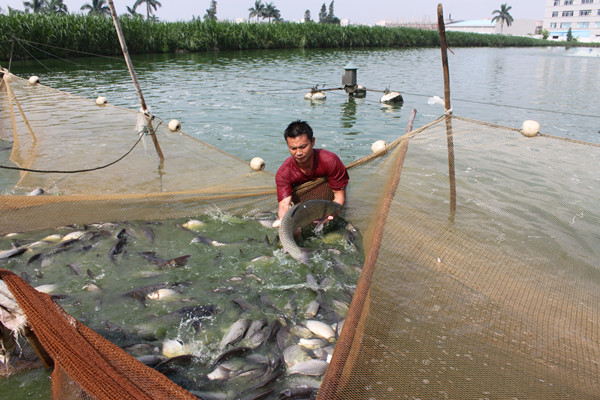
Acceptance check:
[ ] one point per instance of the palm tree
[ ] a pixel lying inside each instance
(503, 16)
(211, 12)
(98, 7)
(257, 10)
(270, 11)
(35, 6)
(56, 7)
(132, 12)
(149, 5)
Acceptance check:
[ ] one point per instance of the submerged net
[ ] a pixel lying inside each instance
(486, 289)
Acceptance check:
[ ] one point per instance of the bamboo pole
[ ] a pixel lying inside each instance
(447, 106)
(113, 12)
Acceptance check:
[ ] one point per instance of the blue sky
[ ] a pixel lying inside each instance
(365, 12)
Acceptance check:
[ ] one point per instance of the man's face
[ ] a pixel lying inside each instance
(301, 148)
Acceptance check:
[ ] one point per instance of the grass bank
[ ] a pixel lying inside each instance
(38, 35)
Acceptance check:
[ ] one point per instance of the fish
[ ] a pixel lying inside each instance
(312, 309)
(320, 329)
(141, 293)
(192, 225)
(215, 243)
(235, 352)
(300, 215)
(149, 233)
(255, 327)
(36, 192)
(266, 219)
(260, 395)
(311, 282)
(162, 263)
(12, 252)
(244, 305)
(310, 367)
(294, 354)
(117, 247)
(161, 294)
(75, 268)
(298, 393)
(235, 332)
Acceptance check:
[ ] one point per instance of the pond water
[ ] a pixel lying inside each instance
(241, 101)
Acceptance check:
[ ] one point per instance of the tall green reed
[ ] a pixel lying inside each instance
(24, 36)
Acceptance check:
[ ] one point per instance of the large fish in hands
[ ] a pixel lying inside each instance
(301, 215)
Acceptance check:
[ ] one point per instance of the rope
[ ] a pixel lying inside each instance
(66, 49)
(140, 133)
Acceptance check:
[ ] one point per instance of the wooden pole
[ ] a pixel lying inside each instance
(113, 12)
(447, 106)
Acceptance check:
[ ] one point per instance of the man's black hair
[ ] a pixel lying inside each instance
(298, 128)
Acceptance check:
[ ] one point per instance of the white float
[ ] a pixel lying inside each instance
(315, 96)
(378, 145)
(392, 97)
(34, 80)
(257, 164)
(101, 100)
(174, 125)
(530, 128)
(172, 348)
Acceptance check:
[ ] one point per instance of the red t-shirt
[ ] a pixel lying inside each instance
(326, 164)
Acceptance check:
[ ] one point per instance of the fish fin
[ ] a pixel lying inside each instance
(305, 255)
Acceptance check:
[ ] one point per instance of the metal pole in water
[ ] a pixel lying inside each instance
(113, 13)
(444, 47)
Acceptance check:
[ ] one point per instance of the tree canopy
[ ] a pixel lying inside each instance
(211, 12)
(503, 16)
(97, 7)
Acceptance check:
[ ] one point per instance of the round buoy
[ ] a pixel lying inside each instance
(257, 164)
(378, 145)
(319, 96)
(33, 80)
(174, 125)
(392, 97)
(530, 128)
(361, 92)
(101, 100)
(172, 348)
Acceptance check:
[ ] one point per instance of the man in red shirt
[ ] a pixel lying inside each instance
(307, 164)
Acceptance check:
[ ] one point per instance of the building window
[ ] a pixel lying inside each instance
(583, 24)
(587, 1)
(555, 13)
(597, 25)
(565, 24)
(585, 12)
(553, 24)
(567, 13)
(557, 2)
(568, 2)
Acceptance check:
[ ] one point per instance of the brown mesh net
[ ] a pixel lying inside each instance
(486, 289)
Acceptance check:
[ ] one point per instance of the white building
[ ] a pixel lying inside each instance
(519, 27)
(582, 16)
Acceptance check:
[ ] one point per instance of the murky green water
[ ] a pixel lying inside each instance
(243, 274)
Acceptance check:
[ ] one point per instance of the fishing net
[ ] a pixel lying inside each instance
(481, 275)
